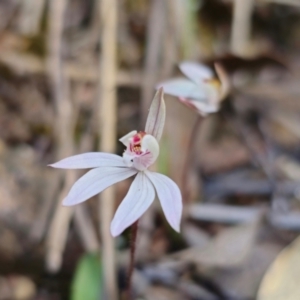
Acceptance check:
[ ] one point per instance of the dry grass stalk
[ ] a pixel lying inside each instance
(85, 229)
(31, 15)
(285, 2)
(84, 225)
(170, 41)
(156, 26)
(67, 112)
(107, 130)
(23, 63)
(155, 34)
(187, 28)
(54, 64)
(59, 226)
(241, 26)
(39, 227)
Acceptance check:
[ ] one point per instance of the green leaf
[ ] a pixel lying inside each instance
(163, 159)
(87, 283)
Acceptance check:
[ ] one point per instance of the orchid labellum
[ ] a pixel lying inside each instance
(142, 150)
(201, 90)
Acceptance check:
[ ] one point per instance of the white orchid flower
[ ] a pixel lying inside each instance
(201, 90)
(142, 150)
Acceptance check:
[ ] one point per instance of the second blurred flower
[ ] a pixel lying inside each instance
(201, 90)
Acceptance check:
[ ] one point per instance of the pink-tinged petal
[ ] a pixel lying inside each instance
(196, 72)
(144, 155)
(157, 115)
(180, 87)
(138, 199)
(126, 138)
(150, 148)
(90, 160)
(169, 196)
(94, 182)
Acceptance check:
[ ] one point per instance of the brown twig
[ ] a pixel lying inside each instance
(134, 229)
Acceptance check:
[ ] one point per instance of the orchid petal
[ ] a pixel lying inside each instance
(94, 182)
(180, 87)
(138, 199)
(90, 160)
(126, 138)
(157, 115)
(143, 161)
(169, 196)
(224, 79)
(195, 72)
(203, 108)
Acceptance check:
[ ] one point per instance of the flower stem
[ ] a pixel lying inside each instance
(134, 229)
(188, 159)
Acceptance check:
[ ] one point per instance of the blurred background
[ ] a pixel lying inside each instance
(239, 238)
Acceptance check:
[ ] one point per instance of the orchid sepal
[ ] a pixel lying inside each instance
(157, 115)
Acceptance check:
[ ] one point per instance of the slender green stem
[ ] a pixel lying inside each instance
(188, 159)
(134, 229)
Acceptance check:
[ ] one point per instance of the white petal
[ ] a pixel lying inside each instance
(138, 199)
(169, 196)
(180, 87)
(157, 115)
(195, 71)
(90, 160)
(94, 182)
(126, 138)
(202, 107)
